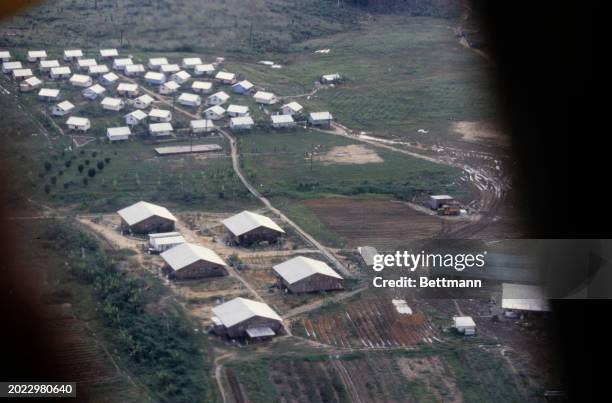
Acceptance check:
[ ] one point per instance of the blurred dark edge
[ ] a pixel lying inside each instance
(544, 51)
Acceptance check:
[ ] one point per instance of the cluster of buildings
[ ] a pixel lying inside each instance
(109, 78)
(240, 317)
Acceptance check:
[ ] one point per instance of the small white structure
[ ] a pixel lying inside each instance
(237, 110)
(7, 66)
(225, 77)
(180, 77)
(437, 201)
(155, 78)
(282, 121)
(122, 133)
(133, 70)
(263, 97)
(135, 117)
(241, 123)
(169, 87)
(112, 104)
(320, 118)
(292, 108)
(188, 99)
(202, 126)
(160, 115)
(108, 79)
(331, 78)
(94, 91)
(98, 70)
(61, 109)
(201, 87)
(119, 64)
(72, 55)
(218, 98)
(464, 325)
(58, 73)
(202, 69)
(156, 62)
(46, 65)
(191, 62)
(524, 297)
(214, 112)
(242, 87)
(143, 101)
(48, 94)
(78, 123)
(127, 89)
(164, 241)
(169, 68)
(108, 53)
(161, 129)
(85, 64)
(22, 74)
(30, 84)
(36, 55)
(81, 80)
(5, 55)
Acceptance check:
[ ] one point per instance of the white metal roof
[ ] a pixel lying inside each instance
(187, 253)
(37, 53)
(242, 121)
(110, 101)
(98, 69)
(202, 124)
(240, 309)
(321, 116)
(263, 331)
(4, 54)
(246, 84)
(126, 61)
(217, 109)
(294, 106)
(463, 321)
(145, 99)
(282, 119)
(118, 131)
(73, 53)
(441, 197)
(301, 267)
(77, 121)
(171, 85)
(158, 61)
(142, 210)
(263, 95)
(221, 95)
(65, 106)
(160, 113)
(47, 64)
(237, 108)
(160, 127)
(224, 75)
(48, 92)
(22, 73)
(109, 52)
(183, 75)
(128, 87)
(187, 97)
(524, 297)
(80, 78)
(86, 62)
(247, 221)
(166, 238)
(154, 76)
(111, 77)
(201, 85)
(137, 114)
(169, 68)
(61, 70)
(204, 68)
(12, 65)
(33, 81)
(192, 61)
(331, 77)
(134, 68)
(96, 89)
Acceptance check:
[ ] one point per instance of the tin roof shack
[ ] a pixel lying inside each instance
(464, 325)
(30, 84)
(169, 68)
(320, 119)
(214, 112)
(266, 98)
(241, 318)
(237, 110)
(201, 87)
(292, 108)
(225, 77)
(119, 64)
(5, 55)
(61, 72)
(180, 77)
(218, 98)
(36, 55)
(188, 261)
(81, 80)
(122, 133)
(160, 115)
(282, 121)
(93, 92)
(191, 62)
(127, 89)
(331, 78)
(248, 228)
(155, 78)
(164, 241)
(49, 94)
(85, 64)
(109, 79)
(112, 104)
(523, 298)
(155, 63)
(202, 69)
(46, 65)
(61, 109)
(169, 87)
(202, 126)
(7, 66)
(134, 70)
(108, 53)
(72, 55)
(242, 87)
(163, 129)
(145, 218)
(78, 123)
(241, 123)
(436, 201)
(303, 274)
(188, 99)
(135, 117)
(21, 74)
(143, 101)
(98, 70)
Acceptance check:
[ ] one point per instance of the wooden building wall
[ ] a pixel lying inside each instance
(151, 224)
(255, 236)
(316, 282)
(200, 269)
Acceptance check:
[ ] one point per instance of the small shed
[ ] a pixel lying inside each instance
(242, 87)
(134, 70)
(145, 218)
(58, 73)
(241, 123)
(78, 123)
(128, 90)
(169, 68)
(164, 241)
(247, 228)
(282, 121)
(143, 101)
(320, 119)
(109, 79)
(201, 87)
(63, 108)
(112, 104)
(188, 260)
(464, 325)
(218, 98)
(202, 126)
(108, 53)
(160, 115)
(263, 97)
(30, 84)
(46, 65)
(214, 112)
(98, 70)
(7, 66)
(163, 129)
(187, 99)
(180, 77)
(169, 87)
(85, 64)
(237, 317)
(155, 78)
(119, 64)
(36, 55)
(191, 62)
(437, 201)
(292, 108)
(81, 80)
(94, 91)
(237, 110)
(122, 133)
(49, 94)
(202, 69)
(5, 55)
(155, 63)
(331, 78)
(72, 55)
(303, 274)
(135, 117)
(225, 77)
(22, 74)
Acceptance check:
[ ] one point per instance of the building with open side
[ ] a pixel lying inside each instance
(464, 325)
(163, 241)
(188, 261)
(245, 318)
(303, 274)
(145, 218)
(247, 228)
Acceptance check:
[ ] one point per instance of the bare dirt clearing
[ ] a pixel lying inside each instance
(350, 155)
(481, 132)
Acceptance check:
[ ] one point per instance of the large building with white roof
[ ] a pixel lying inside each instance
(303, 274)
(247, 228)
(188, 260)
(144, 218)
(241, 317)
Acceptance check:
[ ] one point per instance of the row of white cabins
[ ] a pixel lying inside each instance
(240, 317)
(239, 114)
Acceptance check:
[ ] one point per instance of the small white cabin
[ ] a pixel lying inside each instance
(36, 55)
(191, 62)
(180, 77)
(241, 123)
(108, 79)
(85, 64)
(143, 101)
(135, 117)
(122, 133)
(202, 69)
(58, 73)
(46, 65)
(78, 123)
(81, 80)
(225, 77)
(263, 97)
(237, 110)
(202, 126)
(48, 94)
(161, 129)
(156, 62)
(282, 121)
(133, 70)
(187, 99)
(218, 98)
(72, 55)
(30, 84)
(292, 108)
(214, 112)
(160, 115)
(108, 53)
(119, 64)
(464, 325)
(94, 91)
(63, 108)
(127, 89)
(169, 87)
(201, 87)
(112, 104)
